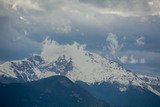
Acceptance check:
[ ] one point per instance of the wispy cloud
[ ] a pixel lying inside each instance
(140, 41)
(113, 44)
(25, 4)
(127, 7)
(130, 59)
(142, 61)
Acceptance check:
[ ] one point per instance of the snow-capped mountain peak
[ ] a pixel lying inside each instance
(87, 66)
(74, 62)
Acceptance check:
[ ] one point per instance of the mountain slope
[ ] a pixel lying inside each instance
(74, 62)
(132, 97)
(56, 91)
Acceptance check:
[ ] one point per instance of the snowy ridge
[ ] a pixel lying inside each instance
(153, 83)
(25, 70)
(74, 62)
(6, 70)
(150, 79)
(88, 67)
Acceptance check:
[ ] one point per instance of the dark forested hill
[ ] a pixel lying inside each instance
(56, 91)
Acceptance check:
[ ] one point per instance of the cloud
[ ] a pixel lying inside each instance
(64, 16)
(113, 45)
(25, 4)
(130, 59)
(25, 23)
(140, 41)
(127, 7)
(142, 61)
(124, 59)
(51, 50)
(64, 28)
(133, 60)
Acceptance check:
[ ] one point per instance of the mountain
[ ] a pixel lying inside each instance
(152, 81)
(81, 66)
(56, 91)
(132, 97)
(29, 69)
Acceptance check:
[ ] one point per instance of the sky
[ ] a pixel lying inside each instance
(126, 31)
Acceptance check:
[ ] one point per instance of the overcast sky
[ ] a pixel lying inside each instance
(127, 31)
